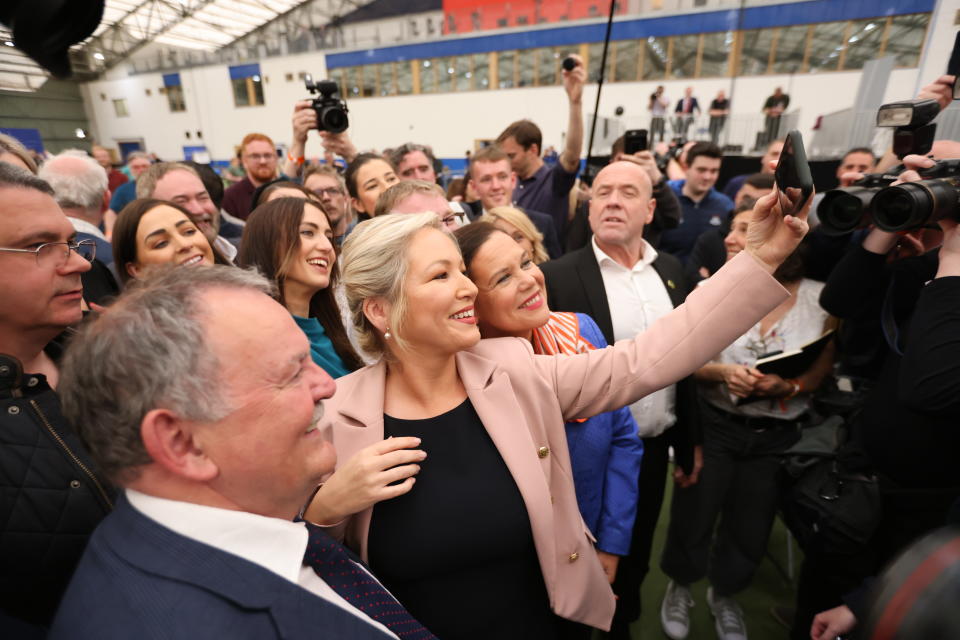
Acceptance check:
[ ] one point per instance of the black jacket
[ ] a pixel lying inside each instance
(51, 497)
(574, 283)
(915, 449)
(930, 371)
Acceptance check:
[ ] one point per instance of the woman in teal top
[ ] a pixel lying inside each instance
(289, 240)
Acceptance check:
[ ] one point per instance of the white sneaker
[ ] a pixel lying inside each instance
(728, 617)
(675, 611)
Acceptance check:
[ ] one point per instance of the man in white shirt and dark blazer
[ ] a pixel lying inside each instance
(624, 284)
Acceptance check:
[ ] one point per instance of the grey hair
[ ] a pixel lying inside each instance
(148, 351)
(147, 182)
(9, 144)
(374, 265)
(77, 179)
(18, 178)
(133, 155)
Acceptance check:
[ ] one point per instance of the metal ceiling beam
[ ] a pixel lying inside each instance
(118, 42)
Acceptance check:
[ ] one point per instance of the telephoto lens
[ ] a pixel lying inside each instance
(849, 208)
(569, 63)
(912, 205)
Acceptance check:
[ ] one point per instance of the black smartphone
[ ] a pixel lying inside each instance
(634, 140)
(953, 67)
(794, 183)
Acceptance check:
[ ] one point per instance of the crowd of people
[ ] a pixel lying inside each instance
(339, 401)
(687, 110)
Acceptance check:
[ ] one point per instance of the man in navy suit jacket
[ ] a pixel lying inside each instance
(687, 109)
(215, 440)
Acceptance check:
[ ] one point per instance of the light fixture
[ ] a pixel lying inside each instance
(9, 43)
(80, 133)
(98, 55)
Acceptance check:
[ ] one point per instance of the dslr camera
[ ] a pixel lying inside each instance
(330, 107)
(907, 206)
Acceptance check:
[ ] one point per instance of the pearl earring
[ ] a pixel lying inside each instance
(386, 334)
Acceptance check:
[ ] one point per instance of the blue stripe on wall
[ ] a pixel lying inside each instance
(171, 79)
(705, 22)
(244, 71)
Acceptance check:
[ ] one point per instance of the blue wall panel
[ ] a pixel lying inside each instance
(30, 138)
(244, 71)
(704, 22)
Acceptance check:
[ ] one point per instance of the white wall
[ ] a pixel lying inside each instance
(210, 107)
(449, 122)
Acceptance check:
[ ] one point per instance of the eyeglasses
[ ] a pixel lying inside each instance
(260, 157)
(53, 255)
(454, 220)
(330, 192)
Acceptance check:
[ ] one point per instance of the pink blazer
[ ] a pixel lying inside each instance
(524, 399)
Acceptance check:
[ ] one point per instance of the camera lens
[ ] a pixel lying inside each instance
(842, 210)
(333, 119)
(569, 63)
(906, 206)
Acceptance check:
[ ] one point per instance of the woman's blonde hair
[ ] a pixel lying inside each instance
(374, 264)
(522, 222)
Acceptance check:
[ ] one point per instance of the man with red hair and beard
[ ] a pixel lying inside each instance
(258, 155)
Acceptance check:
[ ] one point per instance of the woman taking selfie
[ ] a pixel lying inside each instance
(605, 450)
(490, 542)
(150, 232)
(289, 241)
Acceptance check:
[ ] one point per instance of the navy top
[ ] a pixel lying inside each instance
(457, 550)
(547, 190)
(696, 217)
(124, 195)
(734, 185)
(321, 348)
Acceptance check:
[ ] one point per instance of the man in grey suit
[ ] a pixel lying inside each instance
(215, 440)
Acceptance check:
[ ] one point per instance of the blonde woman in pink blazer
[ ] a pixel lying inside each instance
(454, 479)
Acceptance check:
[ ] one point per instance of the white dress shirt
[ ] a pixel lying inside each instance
(226, 248)
(637, 298)
(274, 544)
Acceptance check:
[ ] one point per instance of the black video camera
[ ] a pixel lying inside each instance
(330, 107)
(907, 206)
(873, 200)
(849, 208)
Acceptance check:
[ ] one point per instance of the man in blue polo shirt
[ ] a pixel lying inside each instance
(703, 207)
(543, 187)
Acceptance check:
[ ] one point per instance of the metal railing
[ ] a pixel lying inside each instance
(745, 134)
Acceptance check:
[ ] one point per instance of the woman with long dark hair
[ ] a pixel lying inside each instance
(149, 232)
(367, 176)
(289, 241)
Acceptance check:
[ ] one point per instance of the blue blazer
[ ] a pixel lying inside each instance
(605, 453)
(138, 579)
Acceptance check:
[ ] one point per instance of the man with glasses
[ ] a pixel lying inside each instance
(51, 494)
(329, 186)
(258, 155)
(417, 196)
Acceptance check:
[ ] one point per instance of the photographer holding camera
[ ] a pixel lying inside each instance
(328, 113)
(910, 446)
